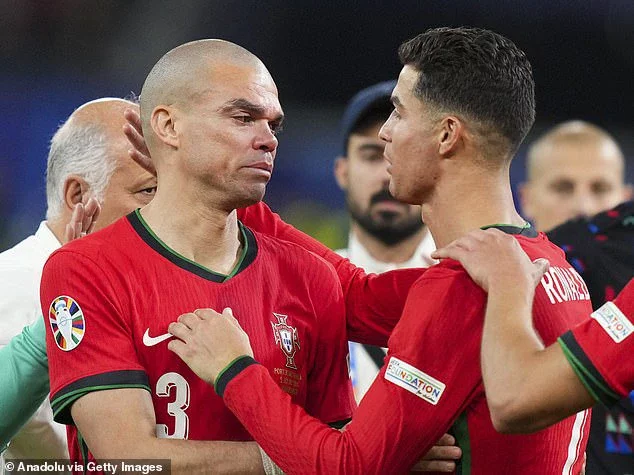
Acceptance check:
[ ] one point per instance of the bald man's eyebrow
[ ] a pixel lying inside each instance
(248, 107)
(396, 101)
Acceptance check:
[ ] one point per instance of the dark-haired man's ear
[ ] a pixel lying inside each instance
(341, 172)
(451, 134)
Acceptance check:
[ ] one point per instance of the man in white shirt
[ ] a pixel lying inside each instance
(384, 233)
(88, 158)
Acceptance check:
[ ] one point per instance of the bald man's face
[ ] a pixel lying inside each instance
(130, 186)
(228, 133)
(571, 179)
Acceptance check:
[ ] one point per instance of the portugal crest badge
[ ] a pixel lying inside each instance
(67, 322)
(286, 337)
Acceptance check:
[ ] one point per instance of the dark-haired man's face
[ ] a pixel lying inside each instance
(411, 143)
(364, 178)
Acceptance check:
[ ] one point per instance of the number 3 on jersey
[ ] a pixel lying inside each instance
(173, 384)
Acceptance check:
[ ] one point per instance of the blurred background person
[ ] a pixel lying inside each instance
(385, 234)
(575, 169)
(88, 158)
(576, 192)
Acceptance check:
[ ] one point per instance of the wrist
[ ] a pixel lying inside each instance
(231, 371)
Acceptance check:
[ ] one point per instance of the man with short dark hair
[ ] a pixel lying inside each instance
(385, 234)
(464, 101)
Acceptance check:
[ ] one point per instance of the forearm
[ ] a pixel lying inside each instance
(24, 376)
(528, 387)
(203, 457)
(131, 435)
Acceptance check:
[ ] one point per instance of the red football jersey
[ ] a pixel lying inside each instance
(370, 319)
(109, 298)
(600, 350)
(431, 383)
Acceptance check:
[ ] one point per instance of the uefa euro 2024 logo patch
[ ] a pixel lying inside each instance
(67, 322)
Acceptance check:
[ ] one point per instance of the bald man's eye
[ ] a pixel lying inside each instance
(562, 187)
(601, 188)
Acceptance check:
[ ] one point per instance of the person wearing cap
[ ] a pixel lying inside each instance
(385, 234)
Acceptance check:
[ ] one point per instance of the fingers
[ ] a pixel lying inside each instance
(134, 119)
(73, 229)
(91, 214)
(206, 313)
(447, 439)
(134, 133)
(190, 320)
(178, 347)
(443, 452)
(540, 267)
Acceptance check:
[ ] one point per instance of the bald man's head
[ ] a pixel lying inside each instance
(574, 134)
(185, 73)
(89, 158)
(574, 169)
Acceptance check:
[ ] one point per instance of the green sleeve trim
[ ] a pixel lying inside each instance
(585, 371)
(61, 406)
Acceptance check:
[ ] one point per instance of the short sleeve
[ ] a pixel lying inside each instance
(599, 349)
(89, 342)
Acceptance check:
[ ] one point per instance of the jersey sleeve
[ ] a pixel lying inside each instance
(88, 339)
(24, 376)
(374, 302)
(599, 349)
(431, 376)
(330, 395)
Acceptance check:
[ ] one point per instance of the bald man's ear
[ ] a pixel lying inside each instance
(76, 190)
(450, 135)
(341, 172)
(162, 121)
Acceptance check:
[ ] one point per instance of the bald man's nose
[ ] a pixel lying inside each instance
(585, 204)
(265, 140)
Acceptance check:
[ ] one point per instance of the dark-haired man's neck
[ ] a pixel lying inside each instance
(467, 200)
(396, 253)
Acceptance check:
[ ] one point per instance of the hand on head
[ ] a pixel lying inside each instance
(134, 133)
(82, 220)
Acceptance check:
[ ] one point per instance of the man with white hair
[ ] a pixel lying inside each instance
(87, 159)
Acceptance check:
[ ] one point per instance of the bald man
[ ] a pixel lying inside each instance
(210, 112)
(87, 159)
(575, 169)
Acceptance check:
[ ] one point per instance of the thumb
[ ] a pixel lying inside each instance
(540, 266)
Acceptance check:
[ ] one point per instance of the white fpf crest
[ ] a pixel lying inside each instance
(286, 337)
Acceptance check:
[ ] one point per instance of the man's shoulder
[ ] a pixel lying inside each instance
(102, 245)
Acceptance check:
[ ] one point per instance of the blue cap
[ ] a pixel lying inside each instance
(362, 103)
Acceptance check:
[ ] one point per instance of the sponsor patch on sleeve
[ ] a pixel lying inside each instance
(414, 380)
(615, 324)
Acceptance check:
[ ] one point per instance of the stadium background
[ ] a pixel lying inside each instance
(58, 54)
